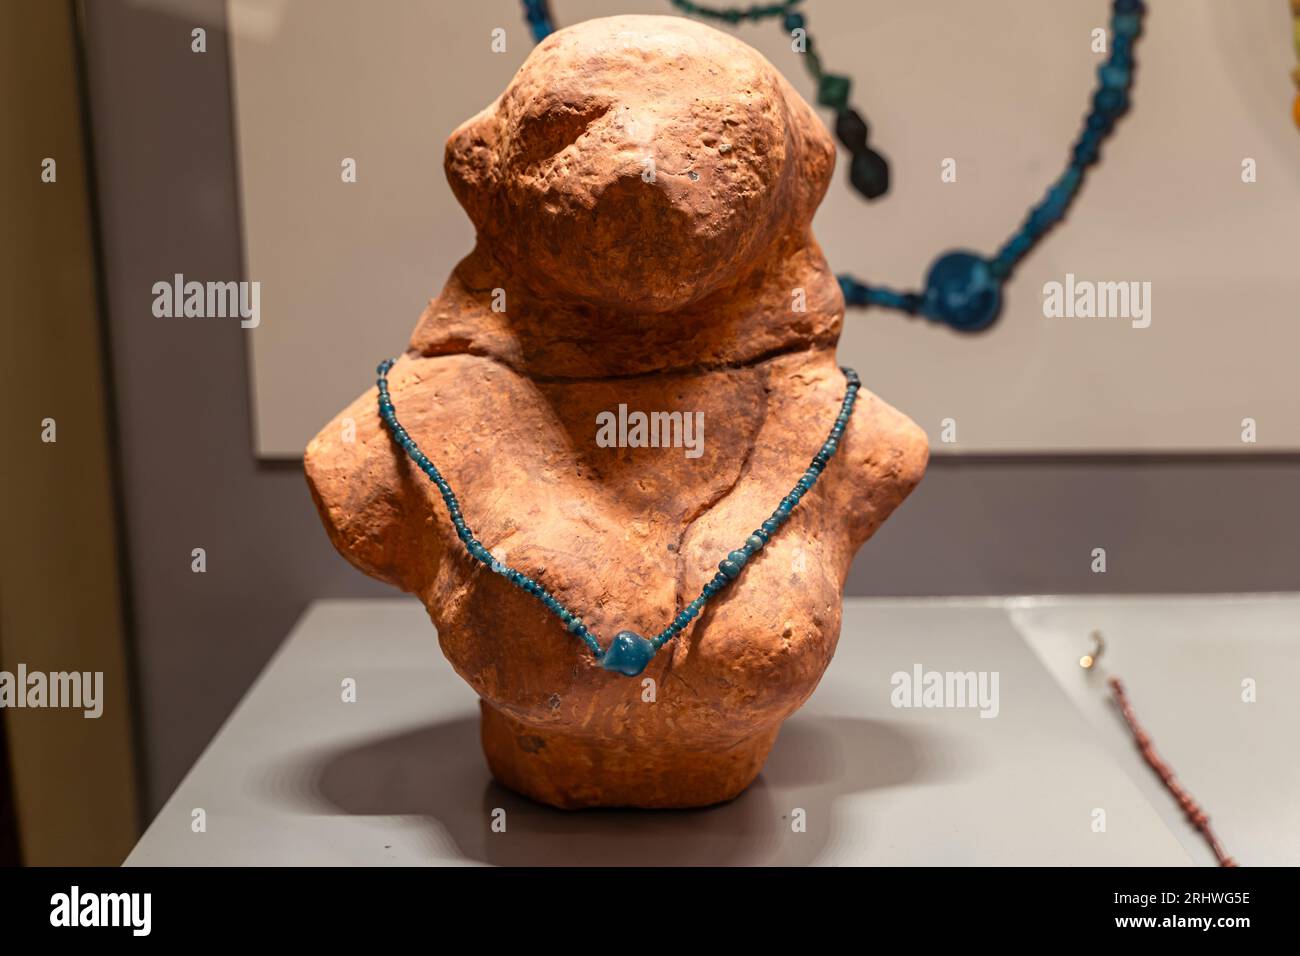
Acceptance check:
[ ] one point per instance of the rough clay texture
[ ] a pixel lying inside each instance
(671, 292)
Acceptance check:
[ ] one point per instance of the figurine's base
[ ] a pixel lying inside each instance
(572, 772)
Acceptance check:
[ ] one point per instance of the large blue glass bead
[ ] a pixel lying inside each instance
(628, 654)
(962, 292)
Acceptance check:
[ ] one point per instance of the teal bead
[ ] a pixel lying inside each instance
(1113, 74)
(754, 543)
(627, 654)
(1110, 100)
(730, 568)
(1126, 24)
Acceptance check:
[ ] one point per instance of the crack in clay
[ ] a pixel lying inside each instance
(753, 361)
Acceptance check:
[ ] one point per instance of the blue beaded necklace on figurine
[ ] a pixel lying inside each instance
(963, 289)
(629, 652)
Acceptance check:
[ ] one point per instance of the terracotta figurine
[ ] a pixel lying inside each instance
(642, 193)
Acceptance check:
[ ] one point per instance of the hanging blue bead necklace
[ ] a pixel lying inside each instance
(963, 289)
(628, 653)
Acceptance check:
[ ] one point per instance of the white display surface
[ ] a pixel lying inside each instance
(1185, 664)
(1000, 86)
(297, 776)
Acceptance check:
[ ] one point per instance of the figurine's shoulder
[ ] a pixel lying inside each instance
(881, 456)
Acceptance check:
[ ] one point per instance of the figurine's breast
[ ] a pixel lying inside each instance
(621, 497)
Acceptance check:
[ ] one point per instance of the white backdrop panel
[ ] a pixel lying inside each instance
(1001, 86)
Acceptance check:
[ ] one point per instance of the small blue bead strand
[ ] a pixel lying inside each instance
(628, 652)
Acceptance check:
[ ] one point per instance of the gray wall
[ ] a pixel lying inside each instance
(166, 176)
(167, 191)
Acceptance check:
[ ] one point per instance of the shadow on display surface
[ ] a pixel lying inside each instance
(436, 772)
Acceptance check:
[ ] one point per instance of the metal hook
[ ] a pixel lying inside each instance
(1088, 661)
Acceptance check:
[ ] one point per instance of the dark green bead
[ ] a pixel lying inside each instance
(833, 90)
(869, 173)
(851, 130)
(811, 60)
